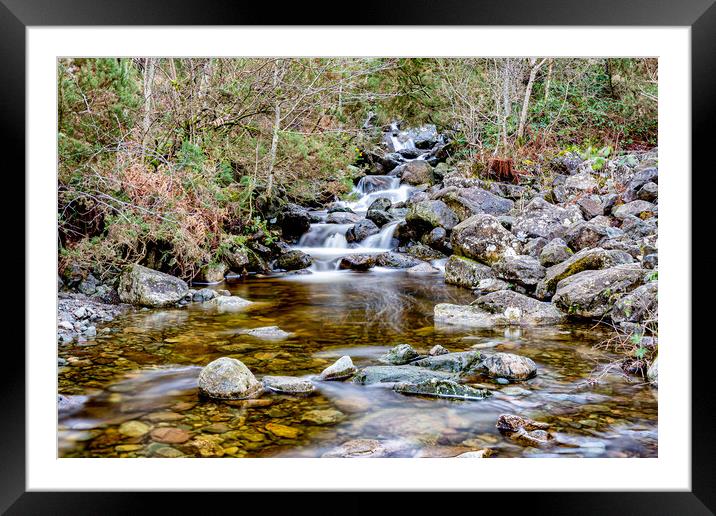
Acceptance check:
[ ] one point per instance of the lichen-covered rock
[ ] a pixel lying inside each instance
(542, 219)
(378, 212)
(398, 374)
(593, 293)
(587, 259)
(521, 269)
(638, 208)
(398, 355)
(211, 273)
(426, 215)
(228, 378)
(442, 389)
(465, 272)
(639, 305)
(425, 253)
(509, 366)
(587, 235)
(556, 251)
(649, 192)
(288, 384)
(501, 308)
(142, 286)
(483, 238)
(416, 172)
(422, 268)
(582, 182)
(340, 370)
(466, 202)
(436, 350)
(294, 260)
(237, 258)
(485, 286)
(591, 206)
(450, 362)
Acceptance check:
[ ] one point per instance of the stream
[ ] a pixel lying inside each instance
(141, 373)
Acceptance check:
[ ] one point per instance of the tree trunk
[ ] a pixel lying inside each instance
(146, 122)
(528, 92)
(549, 80)
(276, 128)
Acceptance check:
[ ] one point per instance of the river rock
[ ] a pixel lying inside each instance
(211, 273)
(437, 239)
(268, 332)
(323, 417)
(378, 212)
(228, 303)
(140, 285)
(288, 384)
(640, 305)
(426, 215)
(358, 262)
(362, 230)
(649, 192)
(396, 260)
(465, 272)
(342, 217)
(521, 269)
(653, 372)
(415, 172)
(436, 350)
(588, 235)
(542, 219)
(237, 258)
(479, 454)
(586, 259)
(441, 388)
(485, 286)
(582, 182)
(294, 260)
(343, 368)
(591, 206)
(422, 268)
(508, 365)
(294, 221)
(69, 404)
(205, 294)
(398, 374)
(483, 238)
(593, 293)
(450, 362)
(228, 378)
(170, 435)
(466, 202)
(398, 355)
(368, 448)
(556, 251)
(501, 308)
(638, 208)
(524, 431)
(424, 253)
(133, 429)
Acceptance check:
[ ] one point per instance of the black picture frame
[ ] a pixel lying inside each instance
(700, 15)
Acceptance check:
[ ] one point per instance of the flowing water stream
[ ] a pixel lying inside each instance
(141, 375)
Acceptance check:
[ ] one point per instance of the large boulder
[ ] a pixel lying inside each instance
(466, 202)
(593, 293)
(396, 260)
(237, 258)
(425, 253)
(483, 238)
(294, 221)
(142, 286)
(587, 235)
(500, 308)
(521, 269)
(294, 260)
(640, 305)
(542, 219)
(228, 303)
(587, 259)
(211, 273)
(415, 172)
(228, 378)
(426, 215)
(465, 272)
(509, 366)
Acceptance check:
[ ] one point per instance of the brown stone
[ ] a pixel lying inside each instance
(170, 435)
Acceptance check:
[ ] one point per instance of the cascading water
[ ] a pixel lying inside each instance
(327, 242)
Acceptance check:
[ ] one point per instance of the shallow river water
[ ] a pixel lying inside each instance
(141, 376)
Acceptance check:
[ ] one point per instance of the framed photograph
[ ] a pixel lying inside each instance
(276, 252)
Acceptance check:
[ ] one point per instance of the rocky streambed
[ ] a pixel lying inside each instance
(432, 315)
